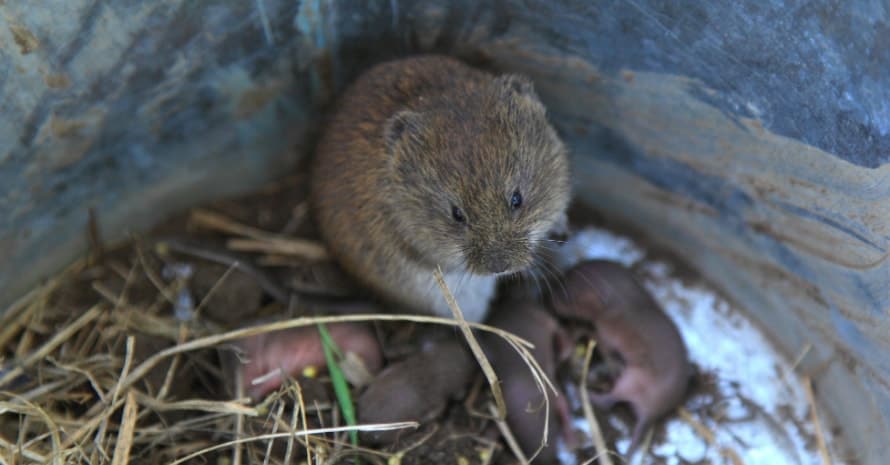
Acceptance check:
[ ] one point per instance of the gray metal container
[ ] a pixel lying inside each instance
(750, 137)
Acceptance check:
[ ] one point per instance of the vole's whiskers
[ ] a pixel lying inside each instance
(555, 241)
(552, 270)
(544, 245)
(529, 272)
(464, 276)
(547, 281)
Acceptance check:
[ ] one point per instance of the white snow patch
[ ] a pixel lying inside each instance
(761, 402)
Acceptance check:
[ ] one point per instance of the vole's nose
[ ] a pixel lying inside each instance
(502, 259)
(497, 263)
(499, 256)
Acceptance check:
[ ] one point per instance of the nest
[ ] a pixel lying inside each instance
(122, 358)
(126, 356)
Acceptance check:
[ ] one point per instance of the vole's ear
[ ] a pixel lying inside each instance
(516, 83)
(402, 130)
(520, 88)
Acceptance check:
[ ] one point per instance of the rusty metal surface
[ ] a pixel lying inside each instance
(751, 137)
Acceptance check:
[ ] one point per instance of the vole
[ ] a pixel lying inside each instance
(288, 352)
(417, 388)
(631, 330)
(524, 400)
(428, 162)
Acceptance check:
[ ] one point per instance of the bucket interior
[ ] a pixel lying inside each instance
(684, 125)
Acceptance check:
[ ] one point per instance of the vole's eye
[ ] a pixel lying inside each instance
(516, 200)
(457, 214)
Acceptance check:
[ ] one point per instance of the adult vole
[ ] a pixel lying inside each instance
(427, 162)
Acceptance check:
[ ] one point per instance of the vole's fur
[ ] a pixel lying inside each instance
(415, 144)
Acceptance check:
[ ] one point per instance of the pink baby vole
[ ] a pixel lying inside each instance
(631, 330)
(524, 399)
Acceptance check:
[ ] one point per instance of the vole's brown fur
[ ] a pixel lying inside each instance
(410, 143)
(633, 330)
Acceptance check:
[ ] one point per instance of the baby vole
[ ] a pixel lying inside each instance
(427, 162)
(631, 330)
(524, 400)
(288, 352)
(415, 389)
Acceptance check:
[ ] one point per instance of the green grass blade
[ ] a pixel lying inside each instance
(341, 388)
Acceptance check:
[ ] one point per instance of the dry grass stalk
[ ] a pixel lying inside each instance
(105, 292)
(396, 458)
(512, 444)
(116, 393)
(94, 236)
(166, 291)
(125, 435)
(134, 319)
(814, 417)
(13, 322)
(493, 381)
(239, 418)
(709, 437)
(39, 294)
(25, 407)
(235, 407)
(214, 221)
(298, 215)
(602, 452)
(304, 433)
(275, 425)
(58, 339)
(91, 425)
(299, 407)
(94, 383)
(279, 261)
(487, 454)
(43, 390)
(800, 356)
(303, 248)
(197, 311)
(260, 240)
(19, 450)
(540, 377)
